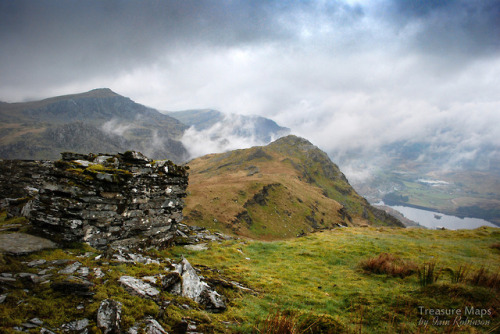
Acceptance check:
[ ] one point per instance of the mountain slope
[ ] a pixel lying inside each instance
(280, 190)
(98, 121)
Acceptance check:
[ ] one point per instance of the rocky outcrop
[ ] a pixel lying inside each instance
(123, 200)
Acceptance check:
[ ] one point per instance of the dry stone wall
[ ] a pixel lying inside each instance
(124, 199)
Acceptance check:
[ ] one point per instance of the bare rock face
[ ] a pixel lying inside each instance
(124, 199)
(108, 316)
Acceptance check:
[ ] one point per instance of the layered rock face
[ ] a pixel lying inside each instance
(119, 200)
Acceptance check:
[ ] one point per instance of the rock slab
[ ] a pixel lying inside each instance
(22, 243)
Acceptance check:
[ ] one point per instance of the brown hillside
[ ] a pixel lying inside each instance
(278, 191)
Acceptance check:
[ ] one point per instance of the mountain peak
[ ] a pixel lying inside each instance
(292, 140)
(100, 92)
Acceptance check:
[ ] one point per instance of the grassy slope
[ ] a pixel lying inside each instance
(318, 278)
(272, 192)
(315, 280)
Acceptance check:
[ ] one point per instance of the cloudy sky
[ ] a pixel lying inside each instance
(347, 75)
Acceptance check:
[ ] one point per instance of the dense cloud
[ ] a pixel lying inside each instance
(351, 76)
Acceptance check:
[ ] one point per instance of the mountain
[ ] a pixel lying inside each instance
(201, 119)
(96, 121)
(221, 132)
(276, 191)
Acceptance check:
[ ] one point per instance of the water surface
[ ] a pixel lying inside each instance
(431, 219)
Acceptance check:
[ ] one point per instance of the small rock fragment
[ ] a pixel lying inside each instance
(70, 269)
(78, 326)
(149, 326)
(36, 263)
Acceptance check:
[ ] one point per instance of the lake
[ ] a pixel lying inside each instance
(429, 219)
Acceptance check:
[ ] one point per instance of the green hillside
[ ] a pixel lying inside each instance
(318, 283)
(281, 190)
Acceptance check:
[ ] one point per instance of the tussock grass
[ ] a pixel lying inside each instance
(482, 277)
(428, 274)
(459, 275)
(389, 264)
(279, 322)
(496, 246)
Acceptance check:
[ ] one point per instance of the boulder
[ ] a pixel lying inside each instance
(108, 316)
(138, 287)
(22, 243)
(193, 287)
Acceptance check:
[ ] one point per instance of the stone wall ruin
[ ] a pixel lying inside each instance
(123, 199)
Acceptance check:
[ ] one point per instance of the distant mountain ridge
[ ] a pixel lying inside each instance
(281, 190)
(96, 121)
(101, 120)
(220, 126)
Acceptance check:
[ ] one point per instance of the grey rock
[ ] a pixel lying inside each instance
(74, 286)
(36, 321)
(28, 325)
(83, 271)
(70, 269)
(46, 331)
(22, 243)
(149, 326)
(197, 247)
(169, 280)
(108, 316)
(120, 201)
(7, 280)
(138, 287)
(192, 287)
(3, 297)
(36, 263)
(98, 272)
(78, 326)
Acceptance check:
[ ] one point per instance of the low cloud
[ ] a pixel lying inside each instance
(233, 132)
(116, 127)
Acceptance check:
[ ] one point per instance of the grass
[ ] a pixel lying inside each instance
(389, 264)
(428, 274)
(319, 277)
(482, 277)
(303, 191)
(313, 284)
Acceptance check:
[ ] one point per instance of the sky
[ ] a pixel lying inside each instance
(350, 76)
